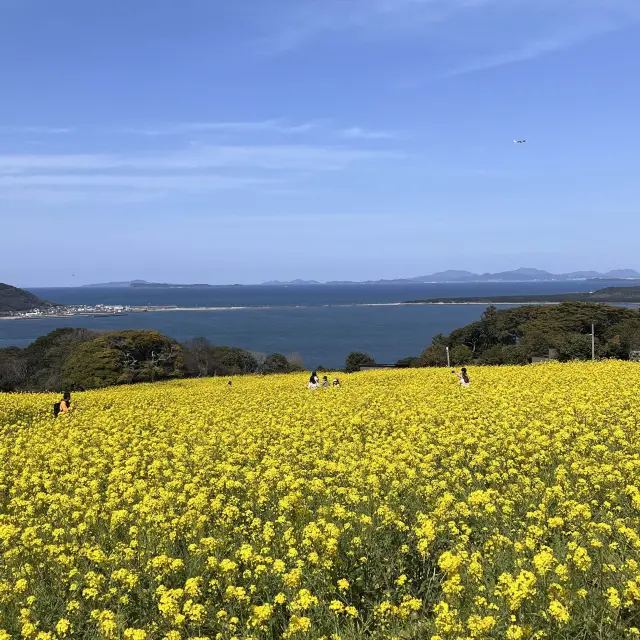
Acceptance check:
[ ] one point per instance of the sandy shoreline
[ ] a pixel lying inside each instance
(137, 310)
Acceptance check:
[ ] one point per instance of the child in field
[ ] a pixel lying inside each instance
(325, 382)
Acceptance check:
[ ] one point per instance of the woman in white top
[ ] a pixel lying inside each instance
(464, 378)
(314, 381)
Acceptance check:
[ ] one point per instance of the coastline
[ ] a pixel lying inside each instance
(137, 310)
(426, 303)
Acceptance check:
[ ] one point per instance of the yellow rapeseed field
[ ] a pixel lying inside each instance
(398, 506)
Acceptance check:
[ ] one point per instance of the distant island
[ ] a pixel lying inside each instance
(298, 282)
(14, 300)
(116, 285)
(143, 284)
(608, 294)
(451, 276)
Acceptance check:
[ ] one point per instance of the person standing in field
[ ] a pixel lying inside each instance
(325, 382)
(314, 381)
(464, 378)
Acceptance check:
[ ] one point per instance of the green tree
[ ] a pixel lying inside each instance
(276, 363)
(123, 357)
(620, 339)
(296, 363)
(205, 359)
(434, 356)
(13, 369)
(357, 359)
(575, 346)
(409, 363)
(514, 336)
(461, 354)
(45, 357)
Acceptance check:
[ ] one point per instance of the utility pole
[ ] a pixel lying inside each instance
(448, 359)
(593, 341)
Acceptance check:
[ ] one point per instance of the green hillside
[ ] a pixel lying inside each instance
(13, 300)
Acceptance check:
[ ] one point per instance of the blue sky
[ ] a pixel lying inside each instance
(210, 141)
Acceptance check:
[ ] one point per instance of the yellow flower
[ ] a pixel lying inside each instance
(343, 584)
(337, 606)
(63, 627)
(613, 598)
(298, 625)
(558, 611)
(514, 632)
(480, 626)
(581, 559)
(543, 561)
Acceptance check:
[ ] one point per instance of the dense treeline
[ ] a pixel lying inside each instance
(78, 358)
(70, 359)
(515, 336)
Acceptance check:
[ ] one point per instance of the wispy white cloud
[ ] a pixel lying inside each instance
(358, 133)
(260, 126)
(18, 130)
(301, 21)
(205, 182)
(292, 157)
(481, 34)
(535, 48)
(234, 130)
(76, 195)
(190, 170)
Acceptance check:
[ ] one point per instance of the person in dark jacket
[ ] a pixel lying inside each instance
(64, 406)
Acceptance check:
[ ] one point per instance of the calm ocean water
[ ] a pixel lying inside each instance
(323, 335)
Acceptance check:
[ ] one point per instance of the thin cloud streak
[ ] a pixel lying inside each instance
(56, 196)
(358, 133)
(18, 130)
(534, 49)
(381, 18)
(182, 183)
(264, 126)
(302, 157)
(535, 28)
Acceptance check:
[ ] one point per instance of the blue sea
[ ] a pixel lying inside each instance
(322, 323)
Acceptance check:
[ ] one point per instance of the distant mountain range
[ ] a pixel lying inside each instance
(518, 275)
(452, 275)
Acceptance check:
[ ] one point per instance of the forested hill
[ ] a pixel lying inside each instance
(515, 336)
(13, 299)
